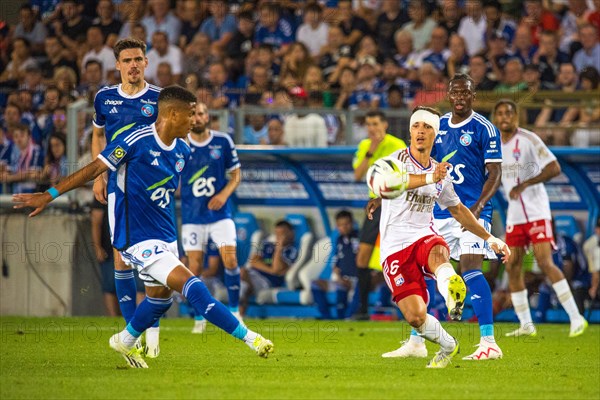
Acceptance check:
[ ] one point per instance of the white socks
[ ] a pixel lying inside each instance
(249, 338)
(520, 303)
(432, 330)
(127, 338)
(152, 334)
(563, 292)
(443, 275)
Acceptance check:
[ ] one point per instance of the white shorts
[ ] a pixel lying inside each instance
(195, 236)
(463, 242)
(153, 259)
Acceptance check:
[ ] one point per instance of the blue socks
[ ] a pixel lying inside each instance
(320, 298)
(481, 300)
(341, 303)
(232, 283)
(126, 292)
(147, 314)
(208, 307)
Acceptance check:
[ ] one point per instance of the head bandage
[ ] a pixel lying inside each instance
(428, 117)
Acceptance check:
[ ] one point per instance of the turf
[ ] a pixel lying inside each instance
(70, 358)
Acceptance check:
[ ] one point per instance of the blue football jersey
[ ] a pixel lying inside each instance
(289, 255)
(147, 174)
(205, 176)
(468, 146)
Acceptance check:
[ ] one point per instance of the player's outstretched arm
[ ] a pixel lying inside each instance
(39, 201)
(548, 172)
(416, 181)
(98, 144)
(490, 187)
(466, 218)
(219, 200)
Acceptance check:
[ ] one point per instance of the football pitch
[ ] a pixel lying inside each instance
(62, 358)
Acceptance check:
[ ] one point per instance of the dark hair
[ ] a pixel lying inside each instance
(314, 7)
(376, 113)
(128, 43)
(56, 135)
(461, 77)
(27, 7)
(395, 88)
(282, 223)
(591, 74)
(246, 15)
(344, 214)
(430, 109)
(493, 3)
(176, 93)
(507, 102)
(22, 127)
(93, 61)
(271, 7)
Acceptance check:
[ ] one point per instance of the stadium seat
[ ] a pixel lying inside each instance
(304, 238)
(248, 236)
(322, 254)
(567, 225)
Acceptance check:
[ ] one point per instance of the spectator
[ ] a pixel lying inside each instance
(367, 48)
(451, 16)
(267, 268)
(131, 15)
(92, 80)
(66, 82)
(191, 17)
(432, 89)
(163, 51)
(72, 27)
(395, 100)
(26, 163)
(33, 83)
(478, 72)
(498, 54)
(420, 25)
(549, 57)
(197, 56)
(473, 26)
(164, 75)
(161, 19)
(574, 266)
(406, 57)
(573, 18)
(272, 29)
(46, 10)
(347, 86)
(353, 27)
(240, 44)
(591, 249)
(522, 45)
(55, 167)
(343, 276)
(458, 60)
(512, 78)
(220, 26)
(100, 52)
(6, 153)
(313, 32)
(274, 132)
(437, 52)
(31, 29)
(255, 132)
(497, 23)
(594, 17)
(20, 59)
(313, 80)
(531, 77)
(335, 55)
(222, 89)
(265, 56)
(589, 112)
(104, 256)
(589, 54)
(538, 19)
(365, 95)
(392, 16)
(259, 83)
(25, 102)
(296, 61)
(52, 100)
(304, 130)
(55, 53)
(106, 21)
(11, 118)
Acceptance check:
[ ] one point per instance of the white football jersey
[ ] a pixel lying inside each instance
(409, 217)
(523, 157)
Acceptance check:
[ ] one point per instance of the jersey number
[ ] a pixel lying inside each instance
(457, 176)
(395, 265)
(163, 195)
(204, 187)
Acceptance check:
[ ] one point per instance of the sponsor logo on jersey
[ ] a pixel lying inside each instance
(113, 102)
(442, 132)
(516, 154)
(147, 110)
(117, 154)
(466, 139)
(179, 165)
(154, 153)
(215, 154)
(146, 253)
(399, 281)
(148, 102)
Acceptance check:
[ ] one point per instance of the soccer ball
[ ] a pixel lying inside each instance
(387, 178)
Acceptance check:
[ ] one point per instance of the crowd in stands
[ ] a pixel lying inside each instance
(281, 55)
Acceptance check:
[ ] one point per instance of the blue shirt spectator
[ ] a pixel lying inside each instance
(162, 20)
(220, 23)
(272, 29)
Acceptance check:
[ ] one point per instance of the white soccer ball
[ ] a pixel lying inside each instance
(387, 178)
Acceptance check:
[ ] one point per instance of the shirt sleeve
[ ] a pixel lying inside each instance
(116, 154)
(543, 155)
(361, 151)
(448, 197)
(99, 120)
(490, 143)
(231, 158)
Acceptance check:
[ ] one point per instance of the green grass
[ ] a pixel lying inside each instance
(70, 358)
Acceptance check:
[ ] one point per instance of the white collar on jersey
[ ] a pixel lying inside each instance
(201, 144)
(160, 142)
(461, 124)
(133, 96)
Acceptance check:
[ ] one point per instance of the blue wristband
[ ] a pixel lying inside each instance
(53, 192)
